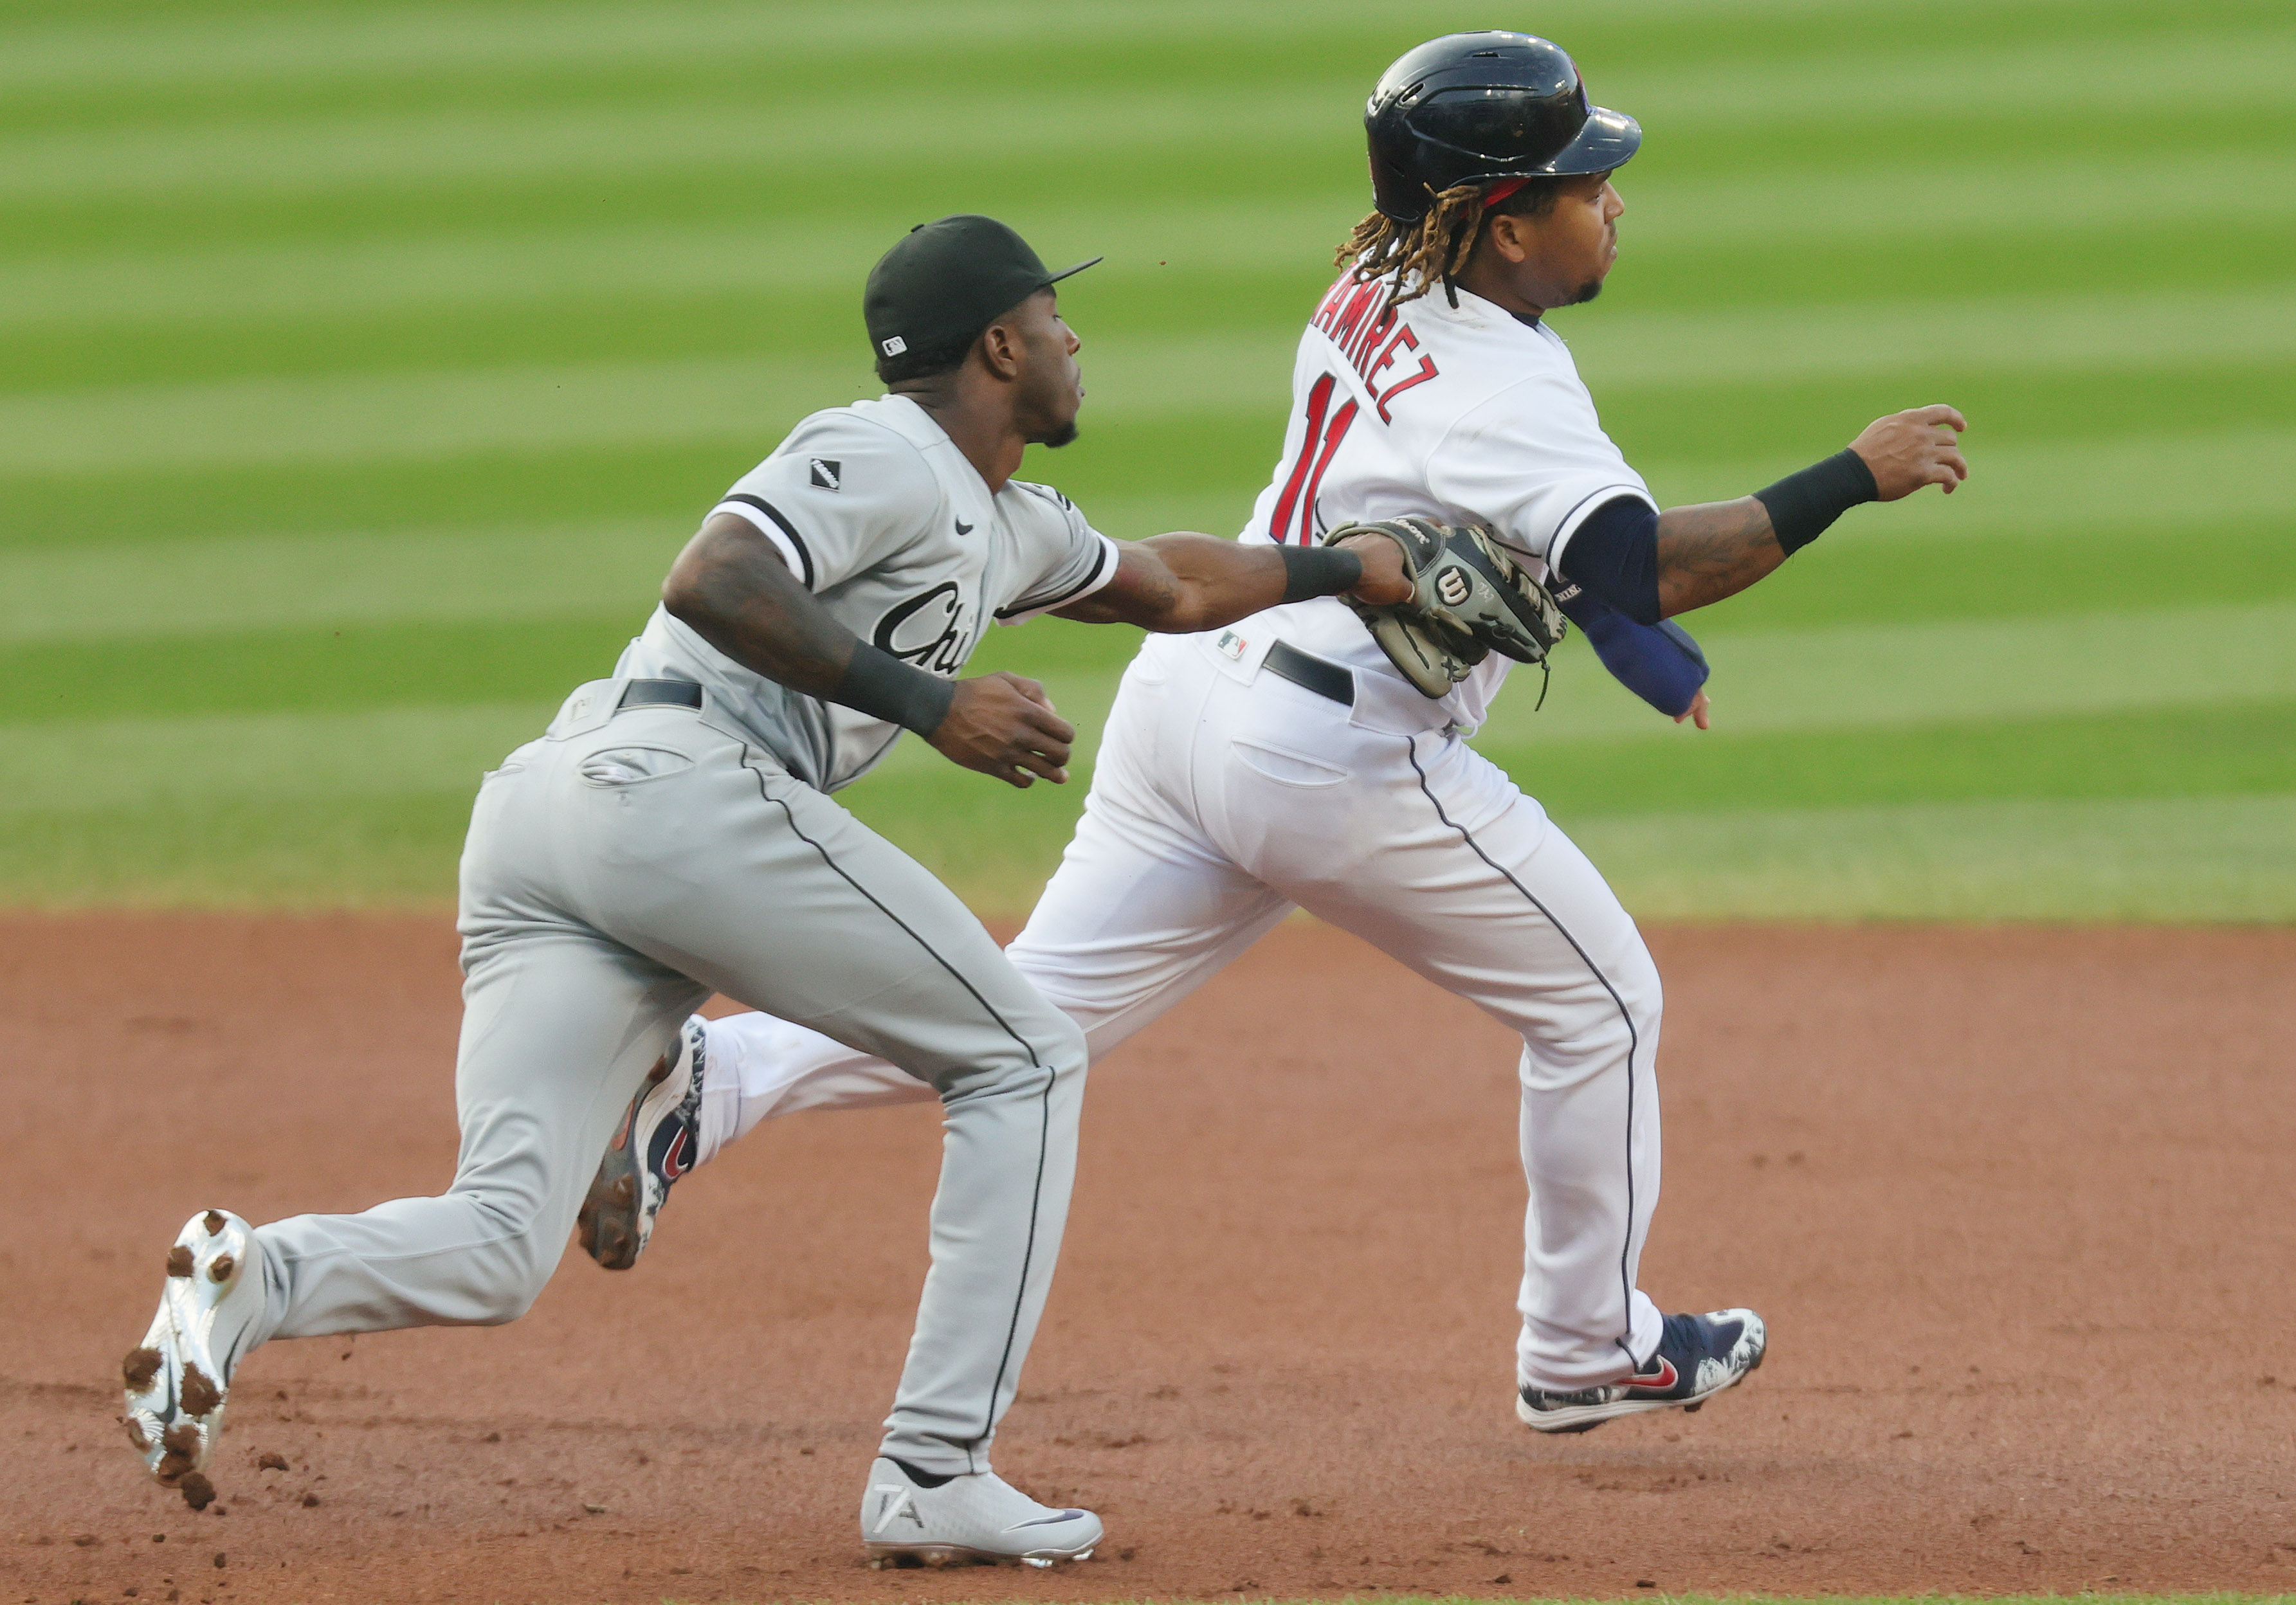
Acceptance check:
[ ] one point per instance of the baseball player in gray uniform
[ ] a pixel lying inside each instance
(671, 835)
(1295, 761)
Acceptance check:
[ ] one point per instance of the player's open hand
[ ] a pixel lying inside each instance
(1386, 581)
(1004, 725)
(1911, 449)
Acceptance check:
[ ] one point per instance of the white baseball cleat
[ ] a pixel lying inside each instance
(177, 1378)
(976, 1518)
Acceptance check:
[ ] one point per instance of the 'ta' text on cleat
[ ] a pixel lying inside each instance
(912, 1517)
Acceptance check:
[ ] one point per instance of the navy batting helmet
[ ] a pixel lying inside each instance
(1476, 108)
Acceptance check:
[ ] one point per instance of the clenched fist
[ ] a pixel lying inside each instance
(1004, 726)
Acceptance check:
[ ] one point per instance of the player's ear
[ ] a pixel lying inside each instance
(1510, 236)
(999, 349)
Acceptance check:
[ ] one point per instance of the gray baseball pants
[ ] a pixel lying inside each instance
(618, 872)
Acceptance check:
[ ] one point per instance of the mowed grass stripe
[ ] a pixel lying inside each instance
(239, 152)
(343, 45)
(2211, 858)
(2209, 749)
(1931, 677)
(2164, 482)
(311, 281)
(1623, 349)
(197, 762)
(2198, 858)
(1936, 674)
(183, 588)
(313, 272)
(167, 590)
(351, 419)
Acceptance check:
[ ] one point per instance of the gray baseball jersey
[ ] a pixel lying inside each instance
(636, 858)
(882, 518)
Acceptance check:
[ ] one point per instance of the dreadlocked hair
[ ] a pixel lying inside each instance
(1420, 255)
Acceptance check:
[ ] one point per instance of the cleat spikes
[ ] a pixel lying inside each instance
(200, 1394)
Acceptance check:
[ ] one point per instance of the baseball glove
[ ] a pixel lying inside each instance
(1469, 600)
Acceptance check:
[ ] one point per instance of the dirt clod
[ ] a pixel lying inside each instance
(139, 1368)
(271, 1459)
(199, 1392)
(199, 1493)
(179, 1261)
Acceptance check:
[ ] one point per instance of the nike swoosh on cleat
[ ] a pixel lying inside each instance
(1057, 1516)
(1667, 1376)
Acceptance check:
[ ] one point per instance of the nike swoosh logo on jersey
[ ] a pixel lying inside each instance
(963, 527)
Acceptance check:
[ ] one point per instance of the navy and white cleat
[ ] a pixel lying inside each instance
(657, 1144)
(1698, 1356)
(911, 1518)
(178, 1377)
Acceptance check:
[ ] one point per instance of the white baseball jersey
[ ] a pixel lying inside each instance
(1223, 797)
(1467, 415)
(882, 519)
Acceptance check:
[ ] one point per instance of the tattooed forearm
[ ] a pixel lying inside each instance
(1712, 550)
(733, 589)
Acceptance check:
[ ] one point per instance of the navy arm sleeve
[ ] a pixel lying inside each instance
(1608, 586)
(1658, 662)
(1613, 557)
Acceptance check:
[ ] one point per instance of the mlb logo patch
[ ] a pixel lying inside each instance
(825, 470)
(1232, 646)
(893, 347)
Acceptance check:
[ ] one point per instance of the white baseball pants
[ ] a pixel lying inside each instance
(1223, 798)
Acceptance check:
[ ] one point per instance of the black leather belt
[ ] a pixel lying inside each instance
(1325, 679)
(666, 694)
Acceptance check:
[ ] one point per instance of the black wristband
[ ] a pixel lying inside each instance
(1802, 506)
(1317, 571)
(884, 687)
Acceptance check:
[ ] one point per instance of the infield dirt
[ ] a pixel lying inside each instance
(2016, 1203)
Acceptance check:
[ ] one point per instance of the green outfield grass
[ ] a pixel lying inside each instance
(363, 365)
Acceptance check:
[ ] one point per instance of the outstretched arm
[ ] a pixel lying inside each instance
(1180, 583)
(1711, 550)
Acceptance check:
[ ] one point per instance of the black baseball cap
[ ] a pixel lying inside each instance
(948, 281)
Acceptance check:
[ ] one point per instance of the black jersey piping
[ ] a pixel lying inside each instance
(1625, 1341)
(1044, 1100)
(804, 557)
(1027, 606)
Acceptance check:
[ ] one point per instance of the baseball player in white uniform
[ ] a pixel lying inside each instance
(672, 836)
(1286, 763)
